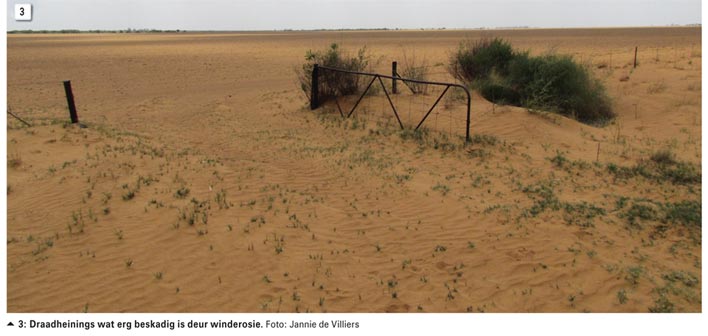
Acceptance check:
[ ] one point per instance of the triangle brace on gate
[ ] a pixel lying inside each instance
(315, 101)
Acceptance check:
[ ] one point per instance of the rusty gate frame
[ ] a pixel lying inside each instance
(315, 101)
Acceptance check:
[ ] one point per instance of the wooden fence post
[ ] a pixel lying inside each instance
(70, 102)
(394, 73)
(315, 92)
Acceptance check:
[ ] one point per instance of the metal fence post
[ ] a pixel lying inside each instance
(315, 92)
(70, 102)
(635, 56)
(467, 131)
(394, 73)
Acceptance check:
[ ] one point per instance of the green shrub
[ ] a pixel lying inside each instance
(477, 59)
(558, 84)
(549, 82)
(332, 83)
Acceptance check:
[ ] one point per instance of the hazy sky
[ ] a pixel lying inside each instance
(314, 14)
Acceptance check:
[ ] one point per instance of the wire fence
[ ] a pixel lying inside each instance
(410, 103)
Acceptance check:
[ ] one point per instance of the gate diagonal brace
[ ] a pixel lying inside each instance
(432, 107)
(361, 97)
(336, 101)
(390, 102)
(405, 82)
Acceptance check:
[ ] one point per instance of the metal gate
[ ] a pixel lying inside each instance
(315, 96)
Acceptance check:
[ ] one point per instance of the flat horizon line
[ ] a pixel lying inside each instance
(152, 30)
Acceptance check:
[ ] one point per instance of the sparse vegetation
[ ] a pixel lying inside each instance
(633, 274)
(622, 296)
(182, 192)
(661, 166)
(442, 188)
(412, 68)
(14, 161)
(662, 304)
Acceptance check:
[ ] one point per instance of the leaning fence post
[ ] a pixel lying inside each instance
(70, 102)
(315, 94)
(394, 73)
(635, 56)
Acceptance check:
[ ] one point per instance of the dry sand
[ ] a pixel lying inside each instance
(204, 184)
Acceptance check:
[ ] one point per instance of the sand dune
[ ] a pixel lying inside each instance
(203, 183)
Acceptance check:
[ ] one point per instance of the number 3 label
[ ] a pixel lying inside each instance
(23, 12)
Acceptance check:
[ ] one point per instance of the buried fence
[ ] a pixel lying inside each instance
(320, 71)
(71, 105)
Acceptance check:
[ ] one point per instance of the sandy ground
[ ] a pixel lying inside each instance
(203, 183)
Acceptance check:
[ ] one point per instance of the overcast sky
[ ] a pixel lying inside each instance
(316, 14)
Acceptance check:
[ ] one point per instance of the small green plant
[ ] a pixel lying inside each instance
(14, 161)
(687, 213)
(633, 274)
(157, 275)
(657, 87)
(622, 296)
(680, 173)
(182, 192)
(581, 214)
(640, 211)
(664, 157)
(662, 304)
(443, 189)
(483, 139)
(686, 278)
(106, 197)
(129, 195)
(559, 160)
